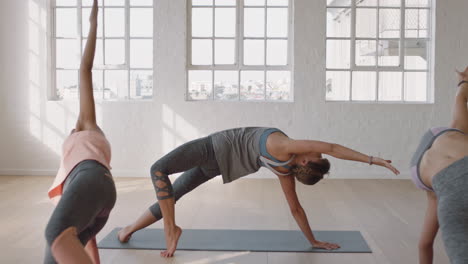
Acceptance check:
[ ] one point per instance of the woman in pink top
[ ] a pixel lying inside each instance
(83, 189)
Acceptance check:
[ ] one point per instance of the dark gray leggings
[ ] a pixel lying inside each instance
(450, 186)
(88, 197)
(198, 162)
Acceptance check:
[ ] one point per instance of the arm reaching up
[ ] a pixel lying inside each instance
(87, 116)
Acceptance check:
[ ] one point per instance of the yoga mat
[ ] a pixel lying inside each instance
(240, 240)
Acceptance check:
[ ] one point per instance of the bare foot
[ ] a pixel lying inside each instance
(172, 237)
(125, 234)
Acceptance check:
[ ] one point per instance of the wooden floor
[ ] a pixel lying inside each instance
(387, 212)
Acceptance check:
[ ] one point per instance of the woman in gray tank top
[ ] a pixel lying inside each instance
(440, 167)
(233, 154)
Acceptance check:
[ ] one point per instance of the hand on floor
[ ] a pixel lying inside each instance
(325, 245)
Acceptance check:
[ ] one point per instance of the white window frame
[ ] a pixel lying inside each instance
(126, 66)
(377, 69)
(239, 50)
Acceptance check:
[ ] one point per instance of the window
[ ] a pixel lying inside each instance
(239, 50)
(123, 63)
(378, 50)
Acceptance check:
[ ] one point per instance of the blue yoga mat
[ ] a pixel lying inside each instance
(240, 240)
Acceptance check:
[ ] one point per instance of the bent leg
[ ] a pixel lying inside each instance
(67, 248)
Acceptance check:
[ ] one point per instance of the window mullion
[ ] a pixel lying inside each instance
(402, 46)
(265, 40)
(377, 64)
(127, 44)
(189, 38)
(240, 43)
(353, 48)
(213, 24)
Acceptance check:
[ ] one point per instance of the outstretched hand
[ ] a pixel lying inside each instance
(463, 76)
(385, 163)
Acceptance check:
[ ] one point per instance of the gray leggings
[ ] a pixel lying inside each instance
(198, 162)
(450, 186)
(88, 197)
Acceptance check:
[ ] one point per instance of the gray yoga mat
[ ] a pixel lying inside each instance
(240, 240)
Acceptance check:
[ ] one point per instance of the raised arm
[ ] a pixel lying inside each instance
(429, 231)
(460, 108)
(87, 116)
(340, 152)
(289, 188)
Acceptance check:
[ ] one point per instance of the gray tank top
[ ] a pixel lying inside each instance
(237, 151)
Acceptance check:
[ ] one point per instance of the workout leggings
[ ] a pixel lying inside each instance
(198, 162)
(450, 186)
(88, 197)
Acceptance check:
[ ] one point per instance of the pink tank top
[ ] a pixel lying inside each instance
(80, 146)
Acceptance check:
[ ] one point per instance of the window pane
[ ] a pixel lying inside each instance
(339, 2)
(277, 2)
(252, 85)
(141, 84)
(66, 22)
(338, 54)
(67, 84)
(226, 85)
(114, 2)
(90, 2)
(202, 52)
(390, 3)
(254, 22)
(225, 2)
(141, 53)
(366, 3)
(116, 84)
(254, 52)
(389, 53)
(65, 2)
(417, 3)
(389, 23)
(416, 86)
(202, 22)
(114, 23)
(366, 52)
(364, 86)
(390, 86)
(85, 12)
(141, 2)
(224, 51)
(337, 86)
(338, 22)
(277, 22)
(277, 52)
(141, 22)
(416, 23)
(278, 85)
(68, 53)
(98, 56)
(200, 85)
(416, 55)
(202, 2)
(225, 23)
(254, 2)
(115, 51)
(366, 20)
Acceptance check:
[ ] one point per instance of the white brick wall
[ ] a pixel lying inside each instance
(140, 132)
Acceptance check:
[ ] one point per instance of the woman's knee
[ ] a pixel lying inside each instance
(157, 169)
